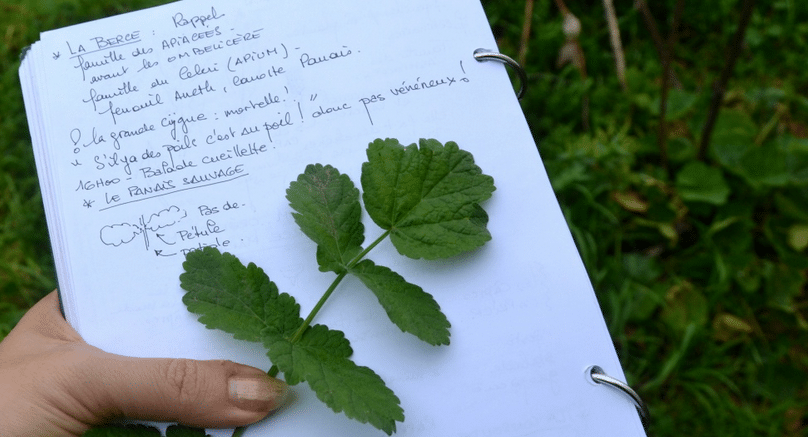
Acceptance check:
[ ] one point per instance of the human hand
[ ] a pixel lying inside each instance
(52, 383)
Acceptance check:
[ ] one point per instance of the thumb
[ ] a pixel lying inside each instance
(205, 394)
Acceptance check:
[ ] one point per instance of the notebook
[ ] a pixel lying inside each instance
(170, 129)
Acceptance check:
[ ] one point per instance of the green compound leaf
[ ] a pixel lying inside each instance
(427, 196)
(320, 358)
(328, 212)
(234, 298)
(408, 306)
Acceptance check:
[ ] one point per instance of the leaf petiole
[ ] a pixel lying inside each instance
(299, 333)
(359, 257)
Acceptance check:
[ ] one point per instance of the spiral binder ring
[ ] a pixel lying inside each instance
(488, 55)
(600, 377)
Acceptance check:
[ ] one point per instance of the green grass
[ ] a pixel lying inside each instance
(700, 266)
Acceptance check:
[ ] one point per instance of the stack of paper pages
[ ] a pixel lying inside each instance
(170, 129)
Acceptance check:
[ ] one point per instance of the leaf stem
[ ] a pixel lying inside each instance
(299, 333)
(359, 257)
(719, 88)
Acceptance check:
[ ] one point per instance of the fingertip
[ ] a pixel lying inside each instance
(205, 394)
(259, 393)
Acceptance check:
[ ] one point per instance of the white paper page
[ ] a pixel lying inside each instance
(181, 126)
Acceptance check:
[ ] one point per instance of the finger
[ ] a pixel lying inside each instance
(44, 319)
(206, 394)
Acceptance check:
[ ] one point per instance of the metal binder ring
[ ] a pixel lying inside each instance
(487, 55)
(600, 377)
